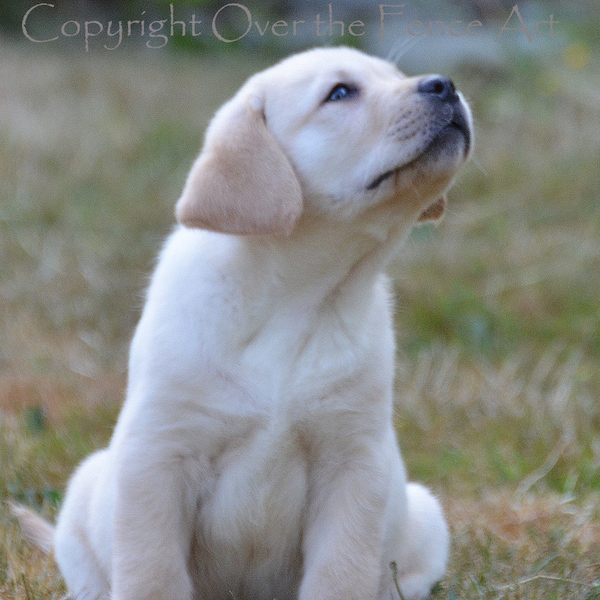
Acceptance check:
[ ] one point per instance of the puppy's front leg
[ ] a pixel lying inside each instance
(152, 529)
(345, 529)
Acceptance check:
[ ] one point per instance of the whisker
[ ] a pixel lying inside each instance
(401, 48)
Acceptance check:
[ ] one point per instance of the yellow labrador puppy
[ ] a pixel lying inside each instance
(255, 456)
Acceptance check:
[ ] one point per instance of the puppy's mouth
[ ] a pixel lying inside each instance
(383, 177)
(451, 135)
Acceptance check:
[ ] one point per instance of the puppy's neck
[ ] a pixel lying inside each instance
(322, 259)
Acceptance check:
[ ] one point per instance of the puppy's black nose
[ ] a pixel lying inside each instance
(440, 87)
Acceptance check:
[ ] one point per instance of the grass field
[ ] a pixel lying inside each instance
(498, 309)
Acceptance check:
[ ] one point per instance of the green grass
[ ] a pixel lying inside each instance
(498, 309)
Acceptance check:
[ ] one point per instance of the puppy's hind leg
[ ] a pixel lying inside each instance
(423, 557)
(83, 576)
(70, 540)
(78, 562)
(79, 533)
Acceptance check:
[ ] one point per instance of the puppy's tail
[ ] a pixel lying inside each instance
(36, 530)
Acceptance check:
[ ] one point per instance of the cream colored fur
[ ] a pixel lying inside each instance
(255, 457)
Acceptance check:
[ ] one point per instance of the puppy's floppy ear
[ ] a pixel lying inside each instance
(434, 212)
(242, 182)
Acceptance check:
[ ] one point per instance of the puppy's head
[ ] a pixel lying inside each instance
(329, 132)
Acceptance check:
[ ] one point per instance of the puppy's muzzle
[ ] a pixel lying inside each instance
(445, 128)
(441, 93)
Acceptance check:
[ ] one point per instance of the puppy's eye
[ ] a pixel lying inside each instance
(342, 91)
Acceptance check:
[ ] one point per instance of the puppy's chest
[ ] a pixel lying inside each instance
(257, 477)
(303, 353)
(299, 379)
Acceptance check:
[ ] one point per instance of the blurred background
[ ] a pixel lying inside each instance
(103, 106)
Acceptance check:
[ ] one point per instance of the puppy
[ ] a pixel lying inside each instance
(255, 456)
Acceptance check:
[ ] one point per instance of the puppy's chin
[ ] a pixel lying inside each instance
(438, 166)
(450, 147)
